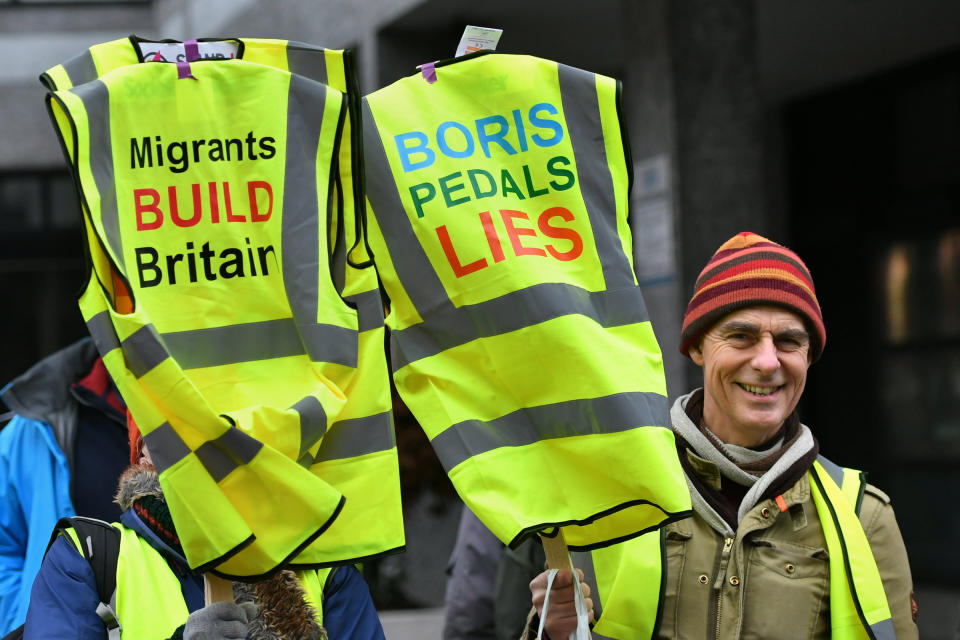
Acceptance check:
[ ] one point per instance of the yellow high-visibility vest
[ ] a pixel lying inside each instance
(519, 336)
(233, 317)
(148, 600)
(625, 579)
(359, 446)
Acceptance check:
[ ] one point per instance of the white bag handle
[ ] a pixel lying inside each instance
(558, 557)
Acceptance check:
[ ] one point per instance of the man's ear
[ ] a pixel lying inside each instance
(695, 354)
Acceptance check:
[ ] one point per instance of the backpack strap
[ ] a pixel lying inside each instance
(99, 543)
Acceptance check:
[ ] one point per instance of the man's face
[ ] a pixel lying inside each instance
(754, 369)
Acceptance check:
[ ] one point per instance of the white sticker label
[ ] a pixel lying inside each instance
(478, 39)
(175, 52)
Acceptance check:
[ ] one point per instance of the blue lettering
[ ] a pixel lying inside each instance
(521, 132)
(498, 136)
(545, 124)
(419, 146)
(445, 148)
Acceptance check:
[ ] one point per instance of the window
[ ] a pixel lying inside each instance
(41, 267)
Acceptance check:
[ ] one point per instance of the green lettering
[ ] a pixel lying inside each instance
(532, 190)
(428, 192)
(447, 189)
(477, 191)
(560, 172)
(509, 185)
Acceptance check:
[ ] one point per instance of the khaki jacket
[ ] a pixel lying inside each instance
(771, 580)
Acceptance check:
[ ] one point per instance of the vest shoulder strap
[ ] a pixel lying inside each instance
(100, 544)
(852, 482)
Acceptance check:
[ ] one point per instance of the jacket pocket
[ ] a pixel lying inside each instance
(786, 587)
(676, 549)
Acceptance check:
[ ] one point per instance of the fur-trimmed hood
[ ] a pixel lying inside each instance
(283, 611)
(137, 481)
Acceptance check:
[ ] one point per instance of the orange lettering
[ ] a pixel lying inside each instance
(514, 233)
(492, 238)
(561, 233)
(458, 269)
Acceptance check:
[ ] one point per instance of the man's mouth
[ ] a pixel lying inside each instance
(759, 391)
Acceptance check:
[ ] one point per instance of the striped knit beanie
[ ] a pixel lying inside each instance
(749, 270)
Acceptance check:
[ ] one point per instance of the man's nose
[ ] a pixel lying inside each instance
(765, 358)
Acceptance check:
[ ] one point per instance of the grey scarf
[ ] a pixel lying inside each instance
(728, 466)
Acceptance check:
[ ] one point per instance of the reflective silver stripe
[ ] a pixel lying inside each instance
(96, 101)
(358, 436)
(81, 69)
(583, 560)
(300, 234)
(166, 447)
(313, 422)
(446, 326)
(884, 630)
(305, 460)
(307, 60)
(409, 259)
(833, 470)
(224, 454)
(581, 111)
(330, 343)
(216, 346)
(450, 327)
(248, 342)
(609, 414)
(369, 309)
(143, 350)
(101, 330)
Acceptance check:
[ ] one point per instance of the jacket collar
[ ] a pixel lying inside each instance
(710, 464)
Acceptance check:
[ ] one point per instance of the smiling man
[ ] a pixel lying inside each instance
(783, 543)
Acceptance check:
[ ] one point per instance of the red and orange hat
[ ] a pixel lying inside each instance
(749, 270)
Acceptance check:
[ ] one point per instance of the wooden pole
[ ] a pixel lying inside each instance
(216, 589)
(558, 557)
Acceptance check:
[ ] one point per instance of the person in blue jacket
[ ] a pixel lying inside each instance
(60, 456)
(64, 599)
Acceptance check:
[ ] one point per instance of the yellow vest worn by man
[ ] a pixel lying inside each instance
(626, 579)
(229, 316)
(498, 190)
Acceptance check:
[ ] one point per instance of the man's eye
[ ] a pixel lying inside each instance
(790, 344)
(740, 337)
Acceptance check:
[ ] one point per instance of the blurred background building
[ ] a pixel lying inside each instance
(832, 126)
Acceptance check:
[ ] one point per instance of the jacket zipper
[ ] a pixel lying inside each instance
(721, 574)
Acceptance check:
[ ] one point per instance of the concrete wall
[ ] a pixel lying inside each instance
(32, 39)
